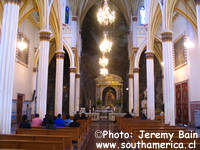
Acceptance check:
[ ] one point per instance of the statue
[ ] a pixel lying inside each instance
(144, 104)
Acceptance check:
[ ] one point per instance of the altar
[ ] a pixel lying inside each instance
(109, 92)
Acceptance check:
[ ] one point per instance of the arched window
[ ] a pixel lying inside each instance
(67, 15)
(142, 15)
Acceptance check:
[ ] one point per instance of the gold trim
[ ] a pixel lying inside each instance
(166, 36)
(78, 76)
(149, 55)
(130, 76)
(136, 70)
(72, 70)
(60, 55)
(45, 36)
(135, 49)
(74, 49)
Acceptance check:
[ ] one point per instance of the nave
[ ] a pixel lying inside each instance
(91, 135)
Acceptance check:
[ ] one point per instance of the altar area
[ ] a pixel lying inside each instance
(109, 93)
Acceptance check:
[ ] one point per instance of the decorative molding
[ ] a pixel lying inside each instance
(74, 49)
(149, 55)
(135, 49)
(72, 70)
(130, 76)
(166, 36)
(74, 18)
(136, 70)
(45, 36)
(78, 76)
(60, 55)
(13, 1)
(134, 18)
(197, 2)
(34, 69)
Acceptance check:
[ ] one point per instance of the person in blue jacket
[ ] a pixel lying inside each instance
(59, 122)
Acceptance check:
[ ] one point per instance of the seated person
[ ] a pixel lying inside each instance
(45, 120)
(77, 115)
(24, 123)
(128, 115)
(83, 116)
(36, 122)
(59, 121)
(74, 123)
(50, 123)
(68, 120)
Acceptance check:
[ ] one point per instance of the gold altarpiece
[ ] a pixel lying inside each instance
(109, 89)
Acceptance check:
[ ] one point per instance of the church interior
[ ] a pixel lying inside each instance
(125, 65)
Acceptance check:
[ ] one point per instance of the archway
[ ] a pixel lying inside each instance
(109, 96)
(92, 35)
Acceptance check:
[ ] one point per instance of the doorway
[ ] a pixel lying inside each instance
(20, 99)
(182, 116)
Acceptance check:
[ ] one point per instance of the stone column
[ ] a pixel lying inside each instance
(77, 96)
(130, 91)
(168, 69)
(7, 62)
(134, 30)
(43, 72)
(136, 91)
(150, 85)
(198, 20)
(60, 54)
(72, 91)
(74, 31)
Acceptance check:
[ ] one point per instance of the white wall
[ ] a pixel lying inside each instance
(23, 75)
(190, 71)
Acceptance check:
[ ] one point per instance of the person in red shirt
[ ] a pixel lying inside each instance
(36, 122)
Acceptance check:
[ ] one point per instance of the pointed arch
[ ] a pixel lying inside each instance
(70, 53)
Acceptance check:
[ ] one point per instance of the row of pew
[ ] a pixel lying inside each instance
(39, 138)
(135, 125)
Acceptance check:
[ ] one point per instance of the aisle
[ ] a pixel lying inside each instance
(100, 126)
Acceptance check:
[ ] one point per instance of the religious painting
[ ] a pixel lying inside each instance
(179, 53)
(22, 49)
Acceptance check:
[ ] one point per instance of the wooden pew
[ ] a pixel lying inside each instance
(67, 141)
(32, 145)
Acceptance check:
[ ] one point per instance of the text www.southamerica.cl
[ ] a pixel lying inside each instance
(147, 140)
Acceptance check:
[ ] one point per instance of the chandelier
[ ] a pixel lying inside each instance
(105, 15)
(103, 61)
(22, 45)
(105, 45)
(104, 71)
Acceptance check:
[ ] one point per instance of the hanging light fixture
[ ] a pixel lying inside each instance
(103, 61)
(105, 45)
(21, 44)
(105, 15)
(104, 71)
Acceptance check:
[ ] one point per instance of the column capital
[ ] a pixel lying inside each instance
(197, 2)
(130, 76)
(45, 35)
(74, 18)
(60, 54)
(78, 75)
(136, 70)
(134, 18)
(166, 36)
(149, 55)
(135, 49)
(72, 70)
(35, 69)
(74, 49)
(13, 1)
